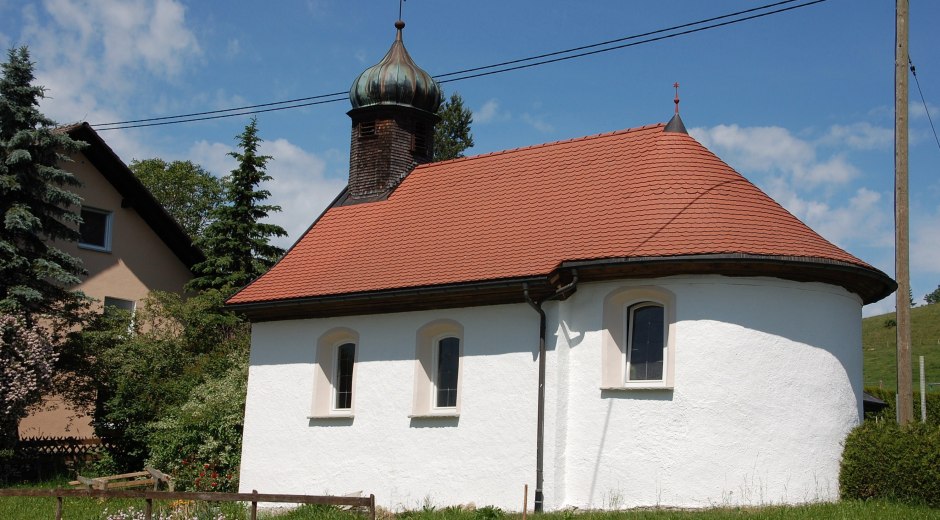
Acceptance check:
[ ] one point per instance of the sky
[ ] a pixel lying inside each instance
(801, 102)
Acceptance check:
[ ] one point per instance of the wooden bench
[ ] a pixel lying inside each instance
(148, 478)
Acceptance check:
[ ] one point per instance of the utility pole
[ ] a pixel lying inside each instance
(901, 217)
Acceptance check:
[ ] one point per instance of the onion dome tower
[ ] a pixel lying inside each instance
(394, 105)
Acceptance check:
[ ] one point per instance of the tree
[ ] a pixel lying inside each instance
(36, 206)
(187, 191)
(236, 243)
(933, 297)
(452, 134)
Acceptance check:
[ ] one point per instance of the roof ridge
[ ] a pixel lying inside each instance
(542, 145)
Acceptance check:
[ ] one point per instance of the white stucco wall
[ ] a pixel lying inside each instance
(767, 385)
(485, 456)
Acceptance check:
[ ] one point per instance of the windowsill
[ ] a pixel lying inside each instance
(435, 414)
(91, 247)
(643, 386)
(334, 414)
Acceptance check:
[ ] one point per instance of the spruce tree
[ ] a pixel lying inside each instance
(452, 133)
(37, 210)
(236, 243)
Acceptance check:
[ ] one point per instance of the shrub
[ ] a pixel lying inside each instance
(889, 414)
(884, 460)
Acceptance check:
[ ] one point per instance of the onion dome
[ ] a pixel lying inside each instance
(396, 80)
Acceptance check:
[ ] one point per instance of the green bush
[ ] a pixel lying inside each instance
(889, 414)
(884, 460)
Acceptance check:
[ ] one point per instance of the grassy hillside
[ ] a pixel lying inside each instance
(879, 340)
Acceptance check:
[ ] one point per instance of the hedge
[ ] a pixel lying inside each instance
(888, 414)
(887, 461)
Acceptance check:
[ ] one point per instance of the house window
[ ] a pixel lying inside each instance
(447, 366)
(439, 347)
(111, 304)
(334, 376)
(345, 358)
(95, 229)
(646, 342)
(420, 140)
(638, 343)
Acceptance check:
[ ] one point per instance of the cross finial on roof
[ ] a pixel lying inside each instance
(400, 4)
(676, 85)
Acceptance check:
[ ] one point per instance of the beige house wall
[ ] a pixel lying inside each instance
(138, 262)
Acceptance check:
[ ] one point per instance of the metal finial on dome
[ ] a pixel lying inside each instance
(675, 124)
(676, 84)
(396, 80)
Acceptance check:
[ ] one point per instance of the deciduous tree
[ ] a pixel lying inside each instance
(188, 192)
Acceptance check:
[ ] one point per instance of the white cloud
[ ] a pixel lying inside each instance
(917, 111)
(860, 136)
(538, 123)
(925, 242)
(759, 148)
(298, 184)
(490, 112)
(91, 55)
(836, 170)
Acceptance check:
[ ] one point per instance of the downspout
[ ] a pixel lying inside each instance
(540, 421)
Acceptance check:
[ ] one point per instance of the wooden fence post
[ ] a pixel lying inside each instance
(148, 509)
(372, 506)
(254, 506)
(58, 508)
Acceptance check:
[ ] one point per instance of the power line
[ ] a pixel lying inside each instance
(924, 101)
(462, 74)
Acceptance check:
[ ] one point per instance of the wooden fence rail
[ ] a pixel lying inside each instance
(149, 496)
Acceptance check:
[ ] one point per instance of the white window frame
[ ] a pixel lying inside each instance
(108, 224)
(436, 373)
(325, 373)
(424, 404)
(615, 343)
(628, 315)
(336, 375)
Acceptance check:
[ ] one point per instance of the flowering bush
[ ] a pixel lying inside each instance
(27, 358)
(199, 442)
(181, 510)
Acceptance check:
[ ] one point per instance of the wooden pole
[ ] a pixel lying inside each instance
(525, 501)
(901, 217)
(58, 508)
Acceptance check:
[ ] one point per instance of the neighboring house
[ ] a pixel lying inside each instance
(615, 320)
(129, 246)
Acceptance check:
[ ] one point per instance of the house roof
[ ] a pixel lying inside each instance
(637, 202)
(134, 193)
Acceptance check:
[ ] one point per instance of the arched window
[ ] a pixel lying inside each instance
(446, 368)
(439, 347)
(345, 359)
(646, 342)
(638, 339)
(334, 379)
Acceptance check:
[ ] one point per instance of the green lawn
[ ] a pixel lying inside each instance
(879, 342)
(75, 509)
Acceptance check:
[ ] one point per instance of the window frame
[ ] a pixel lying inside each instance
(436, 374)
(615, 343)
(108, 225)
(629, 326)
(337, 378)
(424, 404)
(325, 374)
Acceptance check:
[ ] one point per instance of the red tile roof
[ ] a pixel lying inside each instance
(641, 192)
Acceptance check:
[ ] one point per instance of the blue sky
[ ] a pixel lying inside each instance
(801, 102)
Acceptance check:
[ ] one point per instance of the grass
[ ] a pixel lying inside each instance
(41, 508)
(879, 343)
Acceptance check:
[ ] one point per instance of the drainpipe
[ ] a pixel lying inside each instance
(561, 293)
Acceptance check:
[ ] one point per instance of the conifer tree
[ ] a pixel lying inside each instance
(236, 243)
(452, 133)
(37, 210)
